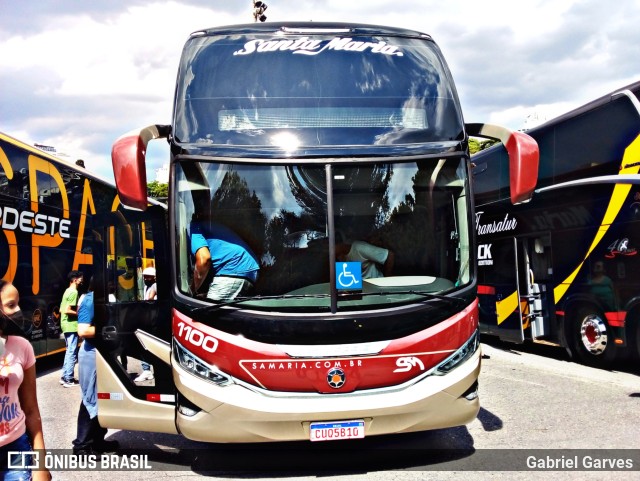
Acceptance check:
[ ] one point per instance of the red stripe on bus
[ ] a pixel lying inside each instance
(153, 398)
(104, 395)
(486, 290)
(616, 319)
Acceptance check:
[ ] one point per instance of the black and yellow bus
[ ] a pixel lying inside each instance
(564, 268)
(47, 206)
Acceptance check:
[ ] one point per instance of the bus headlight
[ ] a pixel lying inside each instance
(198, 367)
(467, 350)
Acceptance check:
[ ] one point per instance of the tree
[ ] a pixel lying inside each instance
(157, 190)
(476, 145)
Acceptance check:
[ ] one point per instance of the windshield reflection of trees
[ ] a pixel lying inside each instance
(293, 246)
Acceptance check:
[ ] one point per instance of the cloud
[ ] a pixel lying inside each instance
(77, 75)
(85, 79)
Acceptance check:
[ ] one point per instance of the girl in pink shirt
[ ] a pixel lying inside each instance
(20, 423)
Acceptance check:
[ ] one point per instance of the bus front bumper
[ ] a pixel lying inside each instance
(234, 413)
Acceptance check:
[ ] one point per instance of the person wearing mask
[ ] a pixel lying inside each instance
(150, 289)
(69, 326)
(20, 424)
(90, 435)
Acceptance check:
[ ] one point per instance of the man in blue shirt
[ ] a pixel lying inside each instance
(90, 435)
(235, 267)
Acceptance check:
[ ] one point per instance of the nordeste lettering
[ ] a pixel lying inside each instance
(33, 222)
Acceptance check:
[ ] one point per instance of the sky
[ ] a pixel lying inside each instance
(76, 75)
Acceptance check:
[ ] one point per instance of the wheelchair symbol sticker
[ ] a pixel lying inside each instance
(348, 275)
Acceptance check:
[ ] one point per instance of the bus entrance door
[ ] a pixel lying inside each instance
(508, 300)
(529, 292)
(517, 273)
(133, 323)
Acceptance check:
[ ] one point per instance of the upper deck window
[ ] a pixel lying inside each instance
(327, 90)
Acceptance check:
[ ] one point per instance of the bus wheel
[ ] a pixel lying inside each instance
(591, 341)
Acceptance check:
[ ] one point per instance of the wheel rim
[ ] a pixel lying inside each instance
(593, 333)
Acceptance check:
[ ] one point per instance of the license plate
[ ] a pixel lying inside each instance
(332, 431)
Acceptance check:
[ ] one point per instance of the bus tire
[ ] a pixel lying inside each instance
(590, 338)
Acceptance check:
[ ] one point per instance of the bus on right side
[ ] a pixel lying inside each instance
(564, 268)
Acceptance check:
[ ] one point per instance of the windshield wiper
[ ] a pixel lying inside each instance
(426, 295)
(240, 300)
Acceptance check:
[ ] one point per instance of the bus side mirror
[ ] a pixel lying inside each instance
(523, 166)
(524, 158)
(128, 156)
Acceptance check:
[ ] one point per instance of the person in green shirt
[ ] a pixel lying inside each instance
(69, 326)
(601, 286)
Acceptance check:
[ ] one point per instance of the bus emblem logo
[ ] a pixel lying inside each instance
(407, 363)
(336, 378)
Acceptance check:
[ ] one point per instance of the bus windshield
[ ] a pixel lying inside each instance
(405, 225)
(290, 91)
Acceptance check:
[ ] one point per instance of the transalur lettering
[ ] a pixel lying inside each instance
(504, 225)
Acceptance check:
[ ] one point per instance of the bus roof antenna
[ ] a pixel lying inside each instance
(258, 11)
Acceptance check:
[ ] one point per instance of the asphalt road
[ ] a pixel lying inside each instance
(535, 404)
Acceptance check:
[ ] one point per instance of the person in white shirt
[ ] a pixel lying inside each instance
(376, 261)
(150, 294)
(150, 289)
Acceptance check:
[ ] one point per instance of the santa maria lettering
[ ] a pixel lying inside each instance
(504, 225)
(306, 46)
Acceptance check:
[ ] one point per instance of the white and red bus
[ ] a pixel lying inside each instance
(302, 138)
